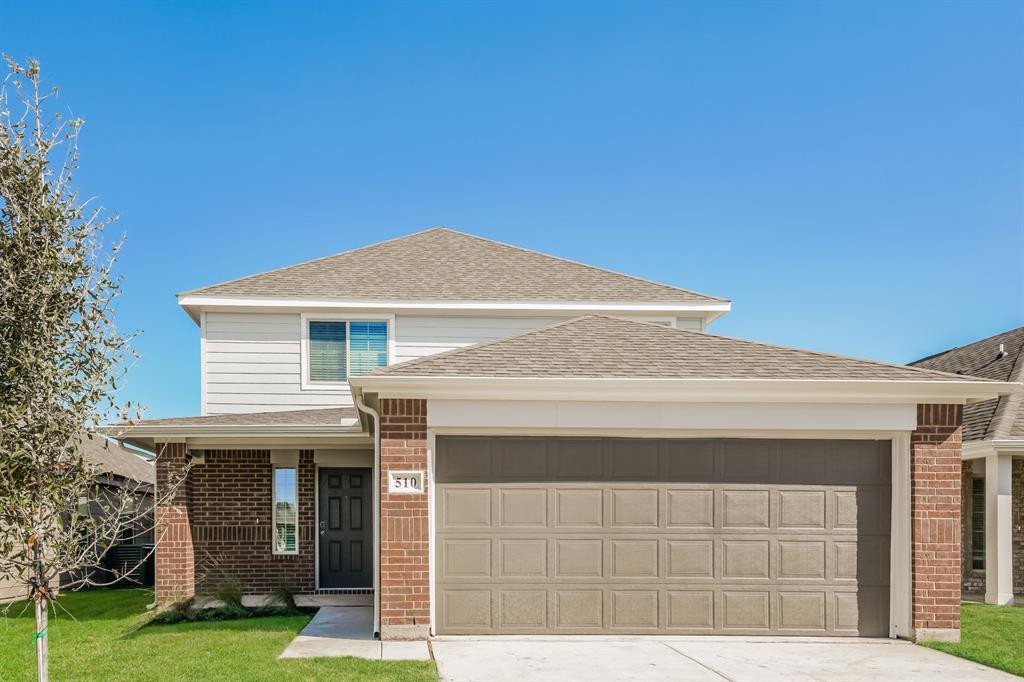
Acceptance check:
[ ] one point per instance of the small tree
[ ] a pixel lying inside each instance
(61, 356)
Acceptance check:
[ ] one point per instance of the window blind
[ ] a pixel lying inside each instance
(327, 351)
(368, 347)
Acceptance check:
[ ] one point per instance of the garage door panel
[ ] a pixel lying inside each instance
(745, 509)
(632, 460)
(522, 459)
(690, 508)
(633, 508)
(523, 508)
(579, 508)
(633, 558)
(528, 549)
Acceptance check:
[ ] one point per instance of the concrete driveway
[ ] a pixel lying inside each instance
(711, 659)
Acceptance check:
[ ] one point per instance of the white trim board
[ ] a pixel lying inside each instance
(680, 390)
(633, 416)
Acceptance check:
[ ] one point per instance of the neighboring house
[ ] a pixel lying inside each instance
(993, 467)
(482, 439)
(117, 468)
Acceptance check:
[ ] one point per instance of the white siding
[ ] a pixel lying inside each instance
(252, 365)
(252, 360)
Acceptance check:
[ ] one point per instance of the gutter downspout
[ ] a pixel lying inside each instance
(364, 408)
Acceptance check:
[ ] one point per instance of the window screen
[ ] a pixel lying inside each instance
(286, 516)
(978, 524)
(368, 347)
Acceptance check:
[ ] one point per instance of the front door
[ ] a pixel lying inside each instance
(345, 528)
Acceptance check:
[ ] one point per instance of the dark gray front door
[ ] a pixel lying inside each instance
(345, 527)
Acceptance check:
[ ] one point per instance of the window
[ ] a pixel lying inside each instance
(286, 516)
(339, 349)
(978, 524)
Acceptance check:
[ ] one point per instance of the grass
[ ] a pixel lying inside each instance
(103, 641)
(992, 635)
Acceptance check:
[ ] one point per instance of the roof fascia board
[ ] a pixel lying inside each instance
(979, 449)
(168, 432)
(685, 390)
(719, 307)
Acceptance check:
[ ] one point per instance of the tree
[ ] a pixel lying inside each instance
(61, 356)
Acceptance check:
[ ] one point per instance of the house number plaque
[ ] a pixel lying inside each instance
(408, 482)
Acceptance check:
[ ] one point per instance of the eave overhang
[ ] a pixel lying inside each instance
(143, 435)
(195, 304)
(681, 390)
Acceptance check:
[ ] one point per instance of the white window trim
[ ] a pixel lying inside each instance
(273, 510)
(305, 318)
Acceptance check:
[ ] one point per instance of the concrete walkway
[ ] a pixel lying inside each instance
(707, 659)
(348, 631)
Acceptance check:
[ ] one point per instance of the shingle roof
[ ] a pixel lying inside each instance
(598, 346)
(999, 418)
(110, 457)
(444, 265)
(330, 416)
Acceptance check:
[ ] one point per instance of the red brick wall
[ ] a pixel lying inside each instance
(232, 523)
(175, 567)
(405, 530)
(935, 476)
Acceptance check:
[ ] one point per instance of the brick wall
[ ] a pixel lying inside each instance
(220, 526)
(175, 566)
(935, 475)
(405, 530)
(232, 523)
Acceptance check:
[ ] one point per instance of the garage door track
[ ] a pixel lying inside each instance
(711, 659)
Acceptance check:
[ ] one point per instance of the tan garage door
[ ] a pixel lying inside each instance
(608, 535)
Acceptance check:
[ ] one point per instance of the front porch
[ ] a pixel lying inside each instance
(993, 524)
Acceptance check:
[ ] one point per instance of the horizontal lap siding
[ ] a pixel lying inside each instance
(253, 360)
(421, 335)
(253, 364)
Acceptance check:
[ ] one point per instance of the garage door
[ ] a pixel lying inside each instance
(667, 536)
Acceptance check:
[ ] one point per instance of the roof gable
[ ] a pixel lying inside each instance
(441, 264)
(598, 346)
(999, 418)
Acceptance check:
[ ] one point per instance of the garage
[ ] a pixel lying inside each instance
(602, 535)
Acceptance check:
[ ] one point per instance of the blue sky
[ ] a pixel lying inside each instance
(851, 175)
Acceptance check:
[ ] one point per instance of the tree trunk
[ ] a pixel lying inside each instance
(41, 648)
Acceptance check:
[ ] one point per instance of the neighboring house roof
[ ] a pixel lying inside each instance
(598, 346)
(1002, 418)
(110, 457)
(444, 265)
(331, 416)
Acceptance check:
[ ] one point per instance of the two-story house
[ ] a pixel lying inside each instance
(476, 438)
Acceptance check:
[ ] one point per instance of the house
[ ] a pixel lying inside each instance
(117, 469)
(993, 467)
(481, 439)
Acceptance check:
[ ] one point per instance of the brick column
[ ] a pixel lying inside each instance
(935, 479)
(175, 556)
(404, 523)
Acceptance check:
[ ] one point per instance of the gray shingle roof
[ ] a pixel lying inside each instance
(444, 265)
(110, 457)
(999, 418)
(330, 416)
(608, 347)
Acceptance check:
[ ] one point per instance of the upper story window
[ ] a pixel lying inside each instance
(336, 349)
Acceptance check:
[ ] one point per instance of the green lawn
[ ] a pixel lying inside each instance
(102, 642)
(993, 635)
